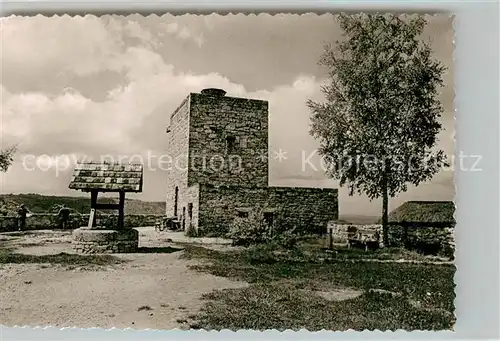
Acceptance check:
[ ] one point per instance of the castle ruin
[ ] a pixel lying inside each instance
(219, 147)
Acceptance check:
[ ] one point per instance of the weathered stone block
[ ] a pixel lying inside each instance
(95, 236)
(105, 241)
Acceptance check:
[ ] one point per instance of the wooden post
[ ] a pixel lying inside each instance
(93, 199)
(93, 206)
(330, 238)
(121, 215)
(91, 218)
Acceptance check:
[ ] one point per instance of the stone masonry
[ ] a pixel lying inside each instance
(442, 238)
(310, 208)
(219, 146)
(105, 241)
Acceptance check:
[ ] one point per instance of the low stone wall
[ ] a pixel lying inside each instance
(45, 221)
(433, 240)
(105, 241)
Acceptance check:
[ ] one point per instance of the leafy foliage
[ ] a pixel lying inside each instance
(191, 231)
(250, 230)
(255, 230)
(378, 126)
(6, 158)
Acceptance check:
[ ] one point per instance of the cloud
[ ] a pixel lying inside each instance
(182, 32)
(132, 118)
(67, 44)
(134, 30)
(131, 114)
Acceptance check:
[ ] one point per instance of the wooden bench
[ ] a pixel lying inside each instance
(367, 239)
(170, 223)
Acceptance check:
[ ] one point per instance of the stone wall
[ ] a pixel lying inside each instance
(433, 240)
(214, 120)
(189, 201)
(309, 209)
(41, 221)
(178, 142)
(105, 241)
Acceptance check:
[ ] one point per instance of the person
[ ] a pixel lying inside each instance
(21, 216)
(63, 217)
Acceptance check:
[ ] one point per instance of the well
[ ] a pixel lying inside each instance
(105, 241)
(105, 177)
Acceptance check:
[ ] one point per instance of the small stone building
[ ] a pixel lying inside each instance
(218, 148)
(425, 225)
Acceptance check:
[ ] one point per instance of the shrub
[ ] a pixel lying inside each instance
(255, 230)
(287, 239)
(191, 231)
(250, 230)
(285, 232)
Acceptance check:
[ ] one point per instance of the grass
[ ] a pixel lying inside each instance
(282, 292)
(314, 246)
(278, 306)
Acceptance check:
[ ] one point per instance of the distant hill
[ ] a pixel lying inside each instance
(37, 203)
(359, 219)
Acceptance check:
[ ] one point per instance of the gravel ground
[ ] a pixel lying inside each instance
(152, 290)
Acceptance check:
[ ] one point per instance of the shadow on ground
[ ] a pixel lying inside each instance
(167, 249)
(7, 257)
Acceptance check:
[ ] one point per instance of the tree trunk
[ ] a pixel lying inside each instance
(385, 208)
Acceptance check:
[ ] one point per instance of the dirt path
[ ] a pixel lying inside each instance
(111, 296)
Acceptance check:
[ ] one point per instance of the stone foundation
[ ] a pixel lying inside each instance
(105, 241)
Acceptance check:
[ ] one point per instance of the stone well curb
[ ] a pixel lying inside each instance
(105, 241)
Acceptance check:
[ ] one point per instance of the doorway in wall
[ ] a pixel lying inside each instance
(184, 218)
(190, 212)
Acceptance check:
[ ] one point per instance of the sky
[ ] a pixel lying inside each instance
(92, 86)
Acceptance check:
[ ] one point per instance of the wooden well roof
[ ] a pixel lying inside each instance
(107, 177)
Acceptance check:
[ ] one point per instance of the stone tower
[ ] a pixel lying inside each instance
(218, 147)
(226, 137)
(218, 140)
